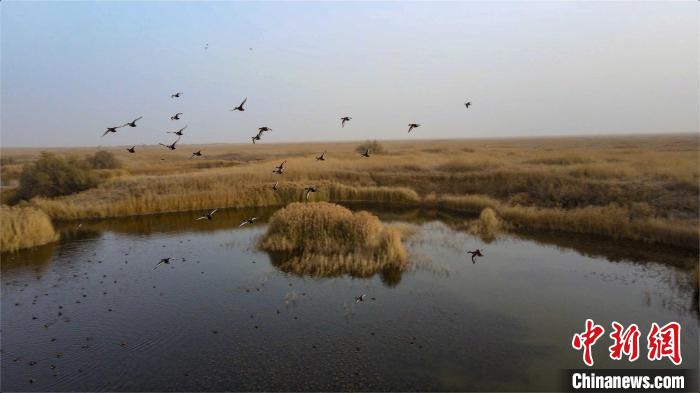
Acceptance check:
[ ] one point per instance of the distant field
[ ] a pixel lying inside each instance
(635, 187)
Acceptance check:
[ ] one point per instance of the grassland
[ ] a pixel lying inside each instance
(632, 187)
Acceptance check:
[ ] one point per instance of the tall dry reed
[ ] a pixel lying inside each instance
(23, 227)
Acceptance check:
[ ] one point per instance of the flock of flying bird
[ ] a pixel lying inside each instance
(278, 170)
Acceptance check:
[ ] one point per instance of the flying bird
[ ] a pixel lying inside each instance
(176, 116)
(344, 119)
(208, 216)
(178, 132)
(112, 129)
(275, 186)
(412, 126)
(131, 149)
(132, 123)
(176, 95)
(360, 298)
(248, 221)
(198, 153)
(366, 153)
(164, 260)
(172, 145)
(308, 190)
(279, 169)
(322, 157)
(468, 104)
(240, 107)
(475, 253)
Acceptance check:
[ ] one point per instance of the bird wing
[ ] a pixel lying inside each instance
(176, 141)
(201, 218)
(157, 264)
(162, 144)
(244, 100)
(243, 223)
(106, 132)
(137, 119)
(213, 211)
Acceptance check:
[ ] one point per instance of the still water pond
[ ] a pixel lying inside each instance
(91, 314)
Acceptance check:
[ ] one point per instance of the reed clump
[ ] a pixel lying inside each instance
(23, 227)
(322, 238)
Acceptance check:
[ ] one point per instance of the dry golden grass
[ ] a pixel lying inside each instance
(23, 227)
(632, 187)
(325, 239)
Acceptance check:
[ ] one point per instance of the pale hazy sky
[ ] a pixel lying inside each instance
(71, 69)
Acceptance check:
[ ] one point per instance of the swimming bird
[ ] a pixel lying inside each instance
(468, 104)
(279, 169)
(176, 95)
(112, 129)
(366, 153)
(309, 190)
(322, 157)
(176, 116)
(131, 149)
(412, 126)
(240, 107)
(178, 132)
(171, 146)
(275, 186)
(475, 253)
(360, 298)
(132, 123)
(208, 216)
(164, 260)
(248, 221)
(198, 153)
(344, 119)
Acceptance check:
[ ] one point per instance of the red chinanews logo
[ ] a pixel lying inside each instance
(662, 342)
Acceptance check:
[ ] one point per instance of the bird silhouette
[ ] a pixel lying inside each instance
(172, 145)
(308, 190)
(178, 132)
(412, 126)
(198, 153)
(208, 216)
(475, 253)
(279, 169)
(240, 107)
(112, 129)
(176, 95)
(132, 123)
(275, 186)
(163, 261)
(468, 104)
(343, 120)
(176, 116)
(131, 149)
(366, 153)
(248, 221)
(322, 157)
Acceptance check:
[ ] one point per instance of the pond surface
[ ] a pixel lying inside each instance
(91, 314)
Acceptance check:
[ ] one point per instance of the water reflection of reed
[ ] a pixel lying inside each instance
(35, 258)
